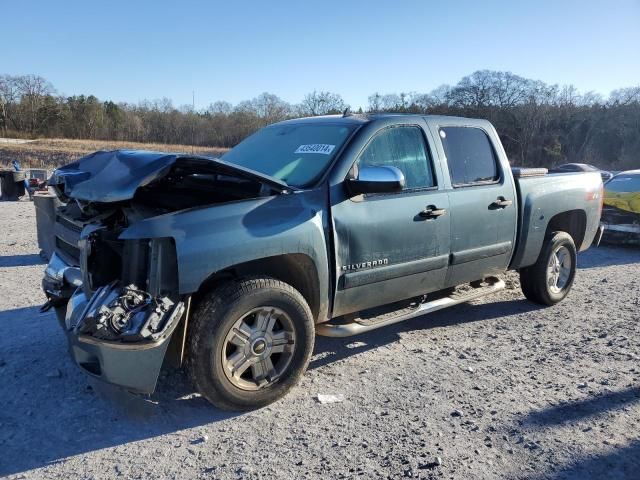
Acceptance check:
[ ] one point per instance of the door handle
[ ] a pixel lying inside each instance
(432, 212)
(501, 202)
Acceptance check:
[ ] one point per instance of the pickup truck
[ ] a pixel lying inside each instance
(332, 225)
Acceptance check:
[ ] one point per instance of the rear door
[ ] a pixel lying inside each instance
(387, 249)
(482, 202)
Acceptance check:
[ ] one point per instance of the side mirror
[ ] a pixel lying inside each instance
(383, 179)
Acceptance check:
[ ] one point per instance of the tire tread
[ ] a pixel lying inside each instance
(210, 311)
(533, 278)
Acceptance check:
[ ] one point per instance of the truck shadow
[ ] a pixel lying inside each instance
(621, 463)
(25, 260)
(571, 412)
(330, 350)
(51, 411)
(606, 256)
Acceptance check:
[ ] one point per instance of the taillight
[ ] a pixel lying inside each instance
(597, 195)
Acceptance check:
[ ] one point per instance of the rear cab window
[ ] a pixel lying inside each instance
(470, 156)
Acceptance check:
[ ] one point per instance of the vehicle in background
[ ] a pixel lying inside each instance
(37, 178)
(582, 167)
(40, 174)
(621, 211)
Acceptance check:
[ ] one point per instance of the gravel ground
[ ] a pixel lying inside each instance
(497, 388)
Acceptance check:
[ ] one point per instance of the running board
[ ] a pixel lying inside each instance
(357, 327)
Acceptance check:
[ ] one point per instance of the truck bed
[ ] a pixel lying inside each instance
(542, 196)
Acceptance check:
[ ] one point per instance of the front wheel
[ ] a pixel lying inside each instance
(250, 342)
(549, 280)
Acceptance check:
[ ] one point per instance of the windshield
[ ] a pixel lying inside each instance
(624, 183)
(295, 153)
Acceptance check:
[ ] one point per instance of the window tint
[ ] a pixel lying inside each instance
(403, 148)
(469, 154)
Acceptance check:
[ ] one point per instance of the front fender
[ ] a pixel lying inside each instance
(211, 239)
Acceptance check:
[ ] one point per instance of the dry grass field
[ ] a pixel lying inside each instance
(50, 153)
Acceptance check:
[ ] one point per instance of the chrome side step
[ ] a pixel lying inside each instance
(355, 328)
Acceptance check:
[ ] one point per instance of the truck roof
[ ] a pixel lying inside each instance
(362, 118)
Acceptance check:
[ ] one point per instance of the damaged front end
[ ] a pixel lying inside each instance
(121, 317)
(117, 297)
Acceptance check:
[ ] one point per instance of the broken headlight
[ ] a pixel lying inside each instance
(128, 314)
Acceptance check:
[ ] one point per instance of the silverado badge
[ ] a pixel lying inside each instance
(360, 266)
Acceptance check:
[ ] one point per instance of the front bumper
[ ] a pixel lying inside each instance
(60, 280)
(134, 365)
(629, 228)
(131, 369)
(625, 233)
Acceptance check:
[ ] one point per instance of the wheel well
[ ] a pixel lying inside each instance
(574, 222)
(296, 269)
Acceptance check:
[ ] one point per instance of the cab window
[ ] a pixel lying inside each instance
(470, 156)
(402, 147)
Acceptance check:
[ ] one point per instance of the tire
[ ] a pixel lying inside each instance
(547, 282)
(230, 340)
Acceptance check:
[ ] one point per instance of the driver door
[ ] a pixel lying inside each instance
(388, 246)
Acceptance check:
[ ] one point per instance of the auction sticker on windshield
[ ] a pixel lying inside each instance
(322, 148)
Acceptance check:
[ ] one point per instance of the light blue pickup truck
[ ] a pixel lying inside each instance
(331, 225)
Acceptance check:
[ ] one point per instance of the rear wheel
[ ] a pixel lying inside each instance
(250, 342)
(550, 279)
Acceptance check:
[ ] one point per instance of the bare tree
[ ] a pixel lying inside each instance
(375, 102)
(625, 96)
(321, 103)
(540, 124)
(8, 98)
(32, 90)
(219, 108)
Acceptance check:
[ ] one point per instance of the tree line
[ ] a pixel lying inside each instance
(539, 124)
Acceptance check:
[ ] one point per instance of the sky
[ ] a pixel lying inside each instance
(128, 51)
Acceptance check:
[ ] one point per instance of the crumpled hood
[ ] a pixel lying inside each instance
(113, 176)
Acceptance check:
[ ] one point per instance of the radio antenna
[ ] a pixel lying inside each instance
(193, 119)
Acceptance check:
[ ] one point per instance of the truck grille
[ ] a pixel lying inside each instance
(67, 233)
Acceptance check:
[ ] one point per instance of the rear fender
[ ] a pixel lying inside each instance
(567, 202)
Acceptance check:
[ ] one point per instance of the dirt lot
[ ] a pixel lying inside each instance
(498, 388)
(50, 153)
